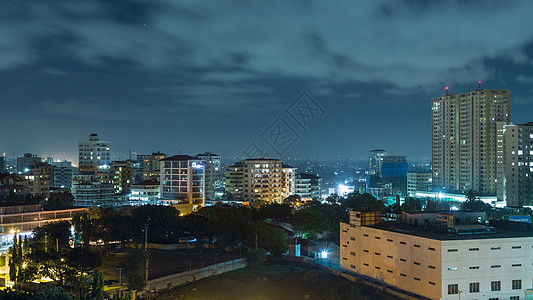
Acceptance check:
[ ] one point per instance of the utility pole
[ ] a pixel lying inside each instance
(45, 242)
(146, 249)
(120, 282)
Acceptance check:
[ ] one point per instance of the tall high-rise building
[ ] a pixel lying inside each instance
(2, 165)
(464, 139)
(515, 164)
(93, 153)
(213, 174)
(182, 179)
(375, 158)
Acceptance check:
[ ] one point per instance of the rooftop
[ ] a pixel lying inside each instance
(432, 233)
(180, 158)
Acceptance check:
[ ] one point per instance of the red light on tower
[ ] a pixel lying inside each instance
(479, 85)
(446, 88)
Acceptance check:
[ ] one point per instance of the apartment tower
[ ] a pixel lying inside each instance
(464, 139)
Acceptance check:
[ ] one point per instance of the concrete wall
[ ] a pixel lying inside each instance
(196, 274)
(407, 262)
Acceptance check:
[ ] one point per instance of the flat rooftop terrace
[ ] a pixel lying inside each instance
(432, 233)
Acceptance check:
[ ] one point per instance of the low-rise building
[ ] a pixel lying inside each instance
(308, 186)
(22, 219)
(440, 260)
(93, 193)
(143, 193)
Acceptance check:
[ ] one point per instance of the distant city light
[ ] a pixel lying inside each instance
(324, 254)
(454, 208)
(26, 170)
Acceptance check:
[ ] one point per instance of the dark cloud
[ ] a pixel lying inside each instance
(135, 61)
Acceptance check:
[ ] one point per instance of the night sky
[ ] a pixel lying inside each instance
(213, 75)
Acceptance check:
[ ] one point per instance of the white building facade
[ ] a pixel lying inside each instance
(438, 267)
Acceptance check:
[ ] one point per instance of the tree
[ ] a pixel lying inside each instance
(274, 211)
(111, 226)
(55, 233)
(316, 218)
(60, 199)
(411, 205)
(84, 226)
(15, 262)
(366, 201)
(164, 223)
(133, 267)
(473, 203)
(55, 293)
(98, 286)
(82, 260)
(293, 200)
(272, 239)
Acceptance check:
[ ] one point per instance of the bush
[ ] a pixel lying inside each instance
(256, 257)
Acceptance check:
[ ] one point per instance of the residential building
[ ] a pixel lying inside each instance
(13, 187)
(146, 192)
(439, 256)
(515, 164)
(308, 186)
(214, 180)
(375, 157)
(150, 165)
(288, 184)
(93, 153)
(255, 179)
(233, 181)
(41, 178)
(419, 181)
(25, 161)
(123, 176)
(63, 172)
(183, 180)
(93, 193)
(464, 139)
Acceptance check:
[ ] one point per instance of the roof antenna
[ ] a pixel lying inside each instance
(181, 150)
(479, 85)
(446, 88)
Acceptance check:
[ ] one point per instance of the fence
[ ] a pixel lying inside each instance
(196, 274)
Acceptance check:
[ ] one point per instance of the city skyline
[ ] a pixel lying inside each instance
(131, 73)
